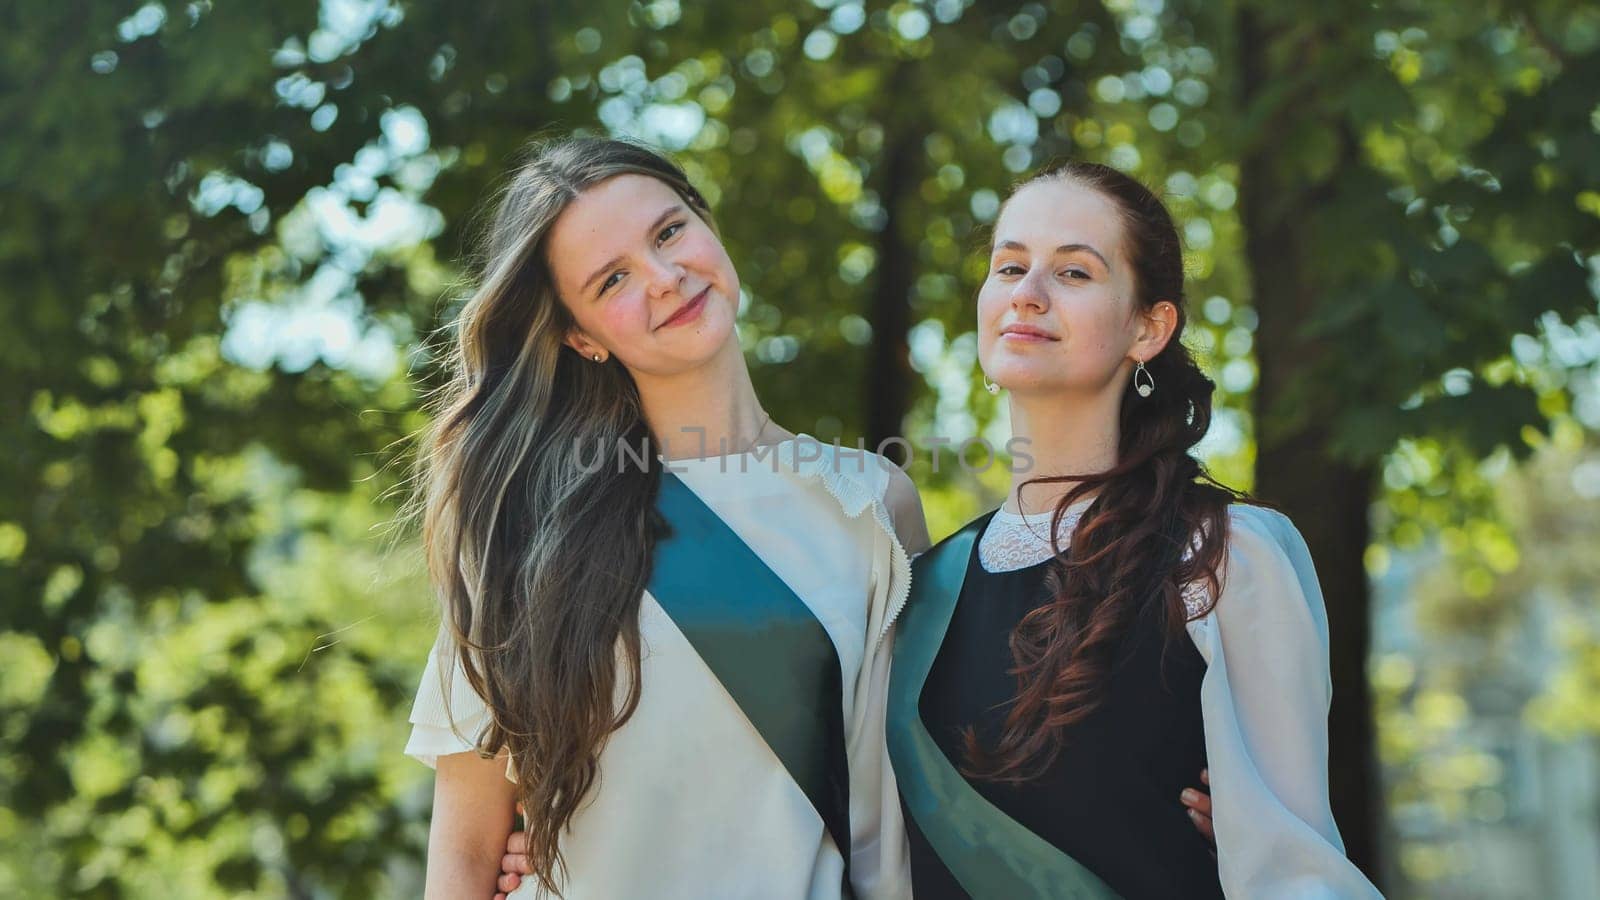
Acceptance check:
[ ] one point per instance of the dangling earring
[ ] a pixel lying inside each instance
(990, 386)
(1146, 387)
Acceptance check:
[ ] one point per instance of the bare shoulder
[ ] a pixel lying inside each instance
(905, 508)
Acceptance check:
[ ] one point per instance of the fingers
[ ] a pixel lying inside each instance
(1200, 812)
(1197, 801)
(1199, 809)
(507, 883)
(516, 859)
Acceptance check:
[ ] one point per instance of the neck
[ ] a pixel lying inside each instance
(708, 411)
(1065, 436)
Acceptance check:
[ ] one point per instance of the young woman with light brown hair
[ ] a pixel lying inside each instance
(673, 660)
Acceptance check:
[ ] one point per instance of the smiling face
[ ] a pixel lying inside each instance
(1058, 311)
(645, 278)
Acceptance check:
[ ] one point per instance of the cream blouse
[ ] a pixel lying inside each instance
(690, 801)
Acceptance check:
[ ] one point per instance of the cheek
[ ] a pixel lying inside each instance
(1102, 325)
(702, 250)
(622, 317)
(993, 300)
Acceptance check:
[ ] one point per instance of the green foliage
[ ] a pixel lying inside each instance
(209, 652)
(1504, 597)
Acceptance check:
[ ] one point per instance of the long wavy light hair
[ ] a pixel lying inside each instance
(539, 557)
(1130, 553)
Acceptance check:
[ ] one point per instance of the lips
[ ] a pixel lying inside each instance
(689, 310)
(1022, 332)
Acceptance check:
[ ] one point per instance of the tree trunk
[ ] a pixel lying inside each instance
(1328, 500)
(889, 375)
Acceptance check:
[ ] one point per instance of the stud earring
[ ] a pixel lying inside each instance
(596, 357)
(1148, 385)
(990, 386)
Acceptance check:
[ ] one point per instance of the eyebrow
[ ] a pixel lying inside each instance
(611, 263)
(1064, 248)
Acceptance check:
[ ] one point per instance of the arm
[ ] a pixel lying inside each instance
(1265, 703)
(472, 797)
(905, 510)
(472, 807)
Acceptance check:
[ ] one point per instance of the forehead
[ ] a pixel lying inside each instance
(1047, 214)
(604, 220)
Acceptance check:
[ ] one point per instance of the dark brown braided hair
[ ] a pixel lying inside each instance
(1127, 552)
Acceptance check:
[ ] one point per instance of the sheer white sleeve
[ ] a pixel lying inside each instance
(1265, 700)
(446, 717)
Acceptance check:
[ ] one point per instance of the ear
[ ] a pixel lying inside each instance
(585, 347)
(1156, 326)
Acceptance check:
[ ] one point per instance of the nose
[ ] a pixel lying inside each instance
(662, 276)
(1030, 292)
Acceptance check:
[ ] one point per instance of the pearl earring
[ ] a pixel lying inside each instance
(596, 357)
(1146, 387)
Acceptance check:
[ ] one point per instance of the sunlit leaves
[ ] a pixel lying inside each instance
(228, 227)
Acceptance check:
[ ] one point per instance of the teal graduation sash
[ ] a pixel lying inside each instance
(763, 644)
(988, 852)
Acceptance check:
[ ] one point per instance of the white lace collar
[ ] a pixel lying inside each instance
(1015, 541)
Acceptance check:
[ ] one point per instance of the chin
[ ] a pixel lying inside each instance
(1027, 386)
(1024, 377)
(706, 341)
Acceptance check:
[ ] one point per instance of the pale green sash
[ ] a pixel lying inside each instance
(988, 852)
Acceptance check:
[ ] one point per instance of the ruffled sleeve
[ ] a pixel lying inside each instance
(448, 716)
(1265, 701)
(879, 865)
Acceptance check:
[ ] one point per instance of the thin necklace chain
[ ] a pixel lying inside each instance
(753, 441)
(759, 432)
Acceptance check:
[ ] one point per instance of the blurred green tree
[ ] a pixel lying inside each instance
(168, 731)
(220, 222)
(1399, 230)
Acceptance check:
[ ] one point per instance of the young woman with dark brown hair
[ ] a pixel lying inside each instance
(1067, 662)
(738, 870)
(673, 660)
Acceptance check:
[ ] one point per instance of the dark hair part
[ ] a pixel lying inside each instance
(512, 516)
(1128, 551)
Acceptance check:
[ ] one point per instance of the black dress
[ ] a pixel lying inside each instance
(1111, 798)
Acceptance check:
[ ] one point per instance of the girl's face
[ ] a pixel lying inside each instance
(1058, 311)
(644, 277)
